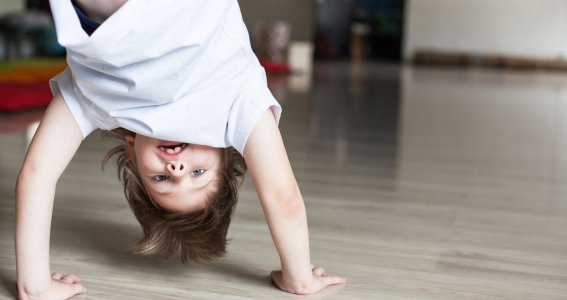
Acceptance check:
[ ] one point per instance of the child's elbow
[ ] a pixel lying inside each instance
(23, 178)
(289, 201)
(30, 174)
(26, 172)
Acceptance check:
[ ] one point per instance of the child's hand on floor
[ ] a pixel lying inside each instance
(62, 287)
(320, 281)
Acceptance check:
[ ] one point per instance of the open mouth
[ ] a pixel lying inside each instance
(172, 149)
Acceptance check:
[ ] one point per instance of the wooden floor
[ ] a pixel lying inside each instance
(419, 184)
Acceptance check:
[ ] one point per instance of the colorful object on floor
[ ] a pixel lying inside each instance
(274, 67)
(24, 85)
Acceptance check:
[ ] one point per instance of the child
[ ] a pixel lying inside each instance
(178, 83)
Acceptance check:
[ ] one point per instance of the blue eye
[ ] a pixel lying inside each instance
(198, 172)
(160, 178)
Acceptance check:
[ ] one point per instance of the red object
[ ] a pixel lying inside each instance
(274, 67)
(24, 85)
(16, 96)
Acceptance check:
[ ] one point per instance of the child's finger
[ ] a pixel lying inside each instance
(319, 271)
(56, 275)
(71, 278)
(79, 289)
(332, 280)
(66, 291)
(75, 289)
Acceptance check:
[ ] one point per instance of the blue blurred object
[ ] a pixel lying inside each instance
(385, 20)
(340, 22)
(29, 34)
(48, 43)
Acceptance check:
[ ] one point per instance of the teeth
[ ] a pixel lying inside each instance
(173, 150)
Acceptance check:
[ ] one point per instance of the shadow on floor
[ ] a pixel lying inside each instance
(112, 242)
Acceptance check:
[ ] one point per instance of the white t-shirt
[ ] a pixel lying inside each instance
(179, 70)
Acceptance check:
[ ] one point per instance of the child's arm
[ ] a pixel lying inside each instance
(51, 150)
(284, 209)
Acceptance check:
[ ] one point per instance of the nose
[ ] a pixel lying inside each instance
(176, 168)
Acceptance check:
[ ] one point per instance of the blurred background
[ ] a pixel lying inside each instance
(429, 139)
(383, 30)
(338, 29)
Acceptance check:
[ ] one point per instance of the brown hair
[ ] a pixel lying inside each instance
(197, 235)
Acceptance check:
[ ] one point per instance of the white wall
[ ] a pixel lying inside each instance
(8, 6)
(528, 28)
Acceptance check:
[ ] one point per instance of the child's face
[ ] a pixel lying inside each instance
(178, 176)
